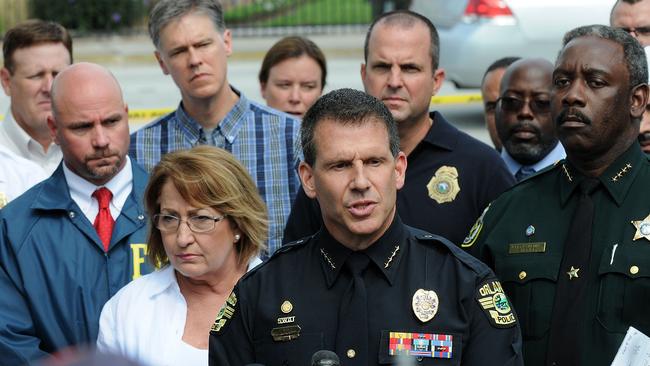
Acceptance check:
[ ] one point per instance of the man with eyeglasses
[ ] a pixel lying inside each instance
(633, 16)
(523, 118)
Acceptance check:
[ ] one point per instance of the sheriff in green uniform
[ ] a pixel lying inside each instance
(571, 245)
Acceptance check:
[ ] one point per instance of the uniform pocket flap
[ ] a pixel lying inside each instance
(521, 268)
(630, 259)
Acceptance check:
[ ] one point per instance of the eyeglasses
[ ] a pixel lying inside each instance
(198, 224)
(511, 104)
(640, 31)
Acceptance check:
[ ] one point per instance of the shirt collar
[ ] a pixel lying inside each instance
(81, 190)
(551, 158)
(229, 126)
(25, 143)
(385, 253)
(616, 179)
(441, 134)
(165, 278)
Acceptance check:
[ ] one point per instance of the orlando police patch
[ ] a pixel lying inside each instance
(226, 312)
(495, 304)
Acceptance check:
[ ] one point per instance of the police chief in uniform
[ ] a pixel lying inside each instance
(365, 286)
(452, 176)
(572, 244)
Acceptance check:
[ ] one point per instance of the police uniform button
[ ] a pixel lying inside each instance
(351, 353)
(140, 217)
(634, 270)
(522, 275)
(71, 214)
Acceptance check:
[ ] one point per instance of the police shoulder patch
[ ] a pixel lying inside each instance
(470, 239)
(495, 304)
(225, 314)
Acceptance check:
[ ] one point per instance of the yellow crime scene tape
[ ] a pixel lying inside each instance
(145, 115)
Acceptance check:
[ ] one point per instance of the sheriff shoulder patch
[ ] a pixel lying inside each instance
(474, 231)
(495, 304)
(226, 312)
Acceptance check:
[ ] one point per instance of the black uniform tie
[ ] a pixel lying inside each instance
(352, 335)
(568, 307)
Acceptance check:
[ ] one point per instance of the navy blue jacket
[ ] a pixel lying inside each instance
(54, 274)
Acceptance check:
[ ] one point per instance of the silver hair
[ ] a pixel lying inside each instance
(167, 11)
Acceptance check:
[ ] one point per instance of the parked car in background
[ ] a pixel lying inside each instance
(474, 33)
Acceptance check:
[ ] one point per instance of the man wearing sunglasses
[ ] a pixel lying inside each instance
(633, 16)
(523, 118)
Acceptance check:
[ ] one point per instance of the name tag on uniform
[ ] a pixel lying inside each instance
(283, 334)
(520, 248)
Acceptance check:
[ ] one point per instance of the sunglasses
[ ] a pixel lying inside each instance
(511, 104)
(639, 31)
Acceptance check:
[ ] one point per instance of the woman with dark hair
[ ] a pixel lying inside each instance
(208, 226)
(293, 75)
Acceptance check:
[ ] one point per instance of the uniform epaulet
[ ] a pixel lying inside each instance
(285, 248)
(477, 266)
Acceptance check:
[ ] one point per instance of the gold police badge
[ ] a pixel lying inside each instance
(3, 199)
(642, 228)
(443, 186)
(425, 304)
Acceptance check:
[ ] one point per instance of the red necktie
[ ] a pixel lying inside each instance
(104, 221)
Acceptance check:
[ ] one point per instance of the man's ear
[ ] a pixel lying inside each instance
(5, 79)
(307, 179)
(400, 170)
(163, 67)
(638, 101)
(438, 79)
(51, 124)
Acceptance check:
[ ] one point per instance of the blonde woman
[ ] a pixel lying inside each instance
(208, 226)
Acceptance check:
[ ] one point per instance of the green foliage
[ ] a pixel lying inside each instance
(91, 15)
(300, 12)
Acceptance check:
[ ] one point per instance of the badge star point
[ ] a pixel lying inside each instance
(573, 273)
(642, 228)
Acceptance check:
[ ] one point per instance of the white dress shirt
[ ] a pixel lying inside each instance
(16, 175)
(145, 322)
(554, 155)
(81, 191)
(14, 138)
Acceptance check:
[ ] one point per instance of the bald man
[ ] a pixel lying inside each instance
(523, 118)
(71, 242)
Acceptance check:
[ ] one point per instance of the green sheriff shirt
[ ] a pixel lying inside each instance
(522, 234)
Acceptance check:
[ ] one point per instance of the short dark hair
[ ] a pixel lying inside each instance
(30, 33)
(165, 11)
(633, 53)
(407, 19)
(347, 107)
(501, 63)
(292, 47)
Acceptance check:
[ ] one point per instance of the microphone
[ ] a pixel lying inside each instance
(325, 358)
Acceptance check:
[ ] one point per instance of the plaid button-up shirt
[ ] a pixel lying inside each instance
(262, 139)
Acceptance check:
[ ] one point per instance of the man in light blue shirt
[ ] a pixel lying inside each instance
(193, 45)
(523, 118)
